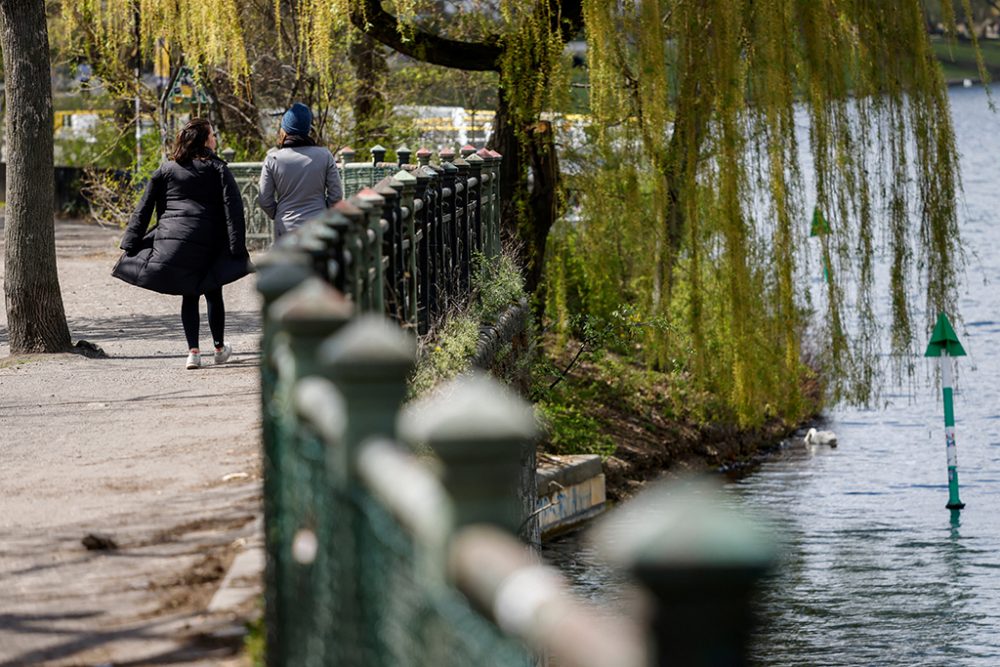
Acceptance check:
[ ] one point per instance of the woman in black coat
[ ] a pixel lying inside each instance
(199, 242)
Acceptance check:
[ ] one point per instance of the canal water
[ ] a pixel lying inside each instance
(877, 571)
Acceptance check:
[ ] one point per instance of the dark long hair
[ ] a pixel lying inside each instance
(191, 140)
(286, 140)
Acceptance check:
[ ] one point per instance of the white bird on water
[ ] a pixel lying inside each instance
(814, 437)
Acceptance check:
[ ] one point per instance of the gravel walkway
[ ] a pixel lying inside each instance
(163, 460)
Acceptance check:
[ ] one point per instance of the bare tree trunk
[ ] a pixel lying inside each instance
(236, 115)
(35, 314)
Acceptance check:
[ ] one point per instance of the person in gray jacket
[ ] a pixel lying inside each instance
(299, 179)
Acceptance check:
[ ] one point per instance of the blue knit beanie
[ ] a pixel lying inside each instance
(297, 120)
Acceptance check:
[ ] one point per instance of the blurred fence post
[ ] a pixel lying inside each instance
(506, 582)
(339, 256)
(481, 432)
(403, 155)
(302, 318)
(322, 240)
(702, 561)
(375, 275)
(278, 272)
(308, 246)
(369, 362)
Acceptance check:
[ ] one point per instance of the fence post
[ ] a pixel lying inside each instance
(373, 249)
(487, 195)
(278, 271)
(356, 211)
(327, 238)
(340, 225)
(378, 156)
(475, 200)
(369, 362)
(462, 224)
(436, 224)
(403, 155)
(423, 199)
(449, 277)
(302, 317)
(392, 249)
(388, 263)
(408, 187)
(424, 156)
(483, 434)
(347, 154)
(467, 150)
(701, 560)
(498, 206)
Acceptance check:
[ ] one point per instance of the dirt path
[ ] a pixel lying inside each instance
(133, 446)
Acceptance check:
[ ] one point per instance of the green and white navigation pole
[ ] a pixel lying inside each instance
(944, 345)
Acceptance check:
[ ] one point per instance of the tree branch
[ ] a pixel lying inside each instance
(483, 56)
(368, 16)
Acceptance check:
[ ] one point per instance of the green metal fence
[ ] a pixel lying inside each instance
(391, 533)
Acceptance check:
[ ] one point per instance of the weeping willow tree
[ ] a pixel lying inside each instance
(758, 124)
(718, 129)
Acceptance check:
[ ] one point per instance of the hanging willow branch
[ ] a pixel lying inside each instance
(735, 120)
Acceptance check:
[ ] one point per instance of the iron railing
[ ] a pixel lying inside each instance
(404, 240)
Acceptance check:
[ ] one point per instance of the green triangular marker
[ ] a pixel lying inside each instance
(944, 338)
(819, 223)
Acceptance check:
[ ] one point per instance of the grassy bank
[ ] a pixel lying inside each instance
(644, 423)
(959, 59)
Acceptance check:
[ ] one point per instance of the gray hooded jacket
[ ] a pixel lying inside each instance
(297, 184)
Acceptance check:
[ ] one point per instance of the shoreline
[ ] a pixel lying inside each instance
(647, 425)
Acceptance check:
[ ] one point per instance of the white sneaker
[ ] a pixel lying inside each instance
(222, 355)
(194, 361)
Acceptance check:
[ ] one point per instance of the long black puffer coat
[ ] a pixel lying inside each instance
(199, 242)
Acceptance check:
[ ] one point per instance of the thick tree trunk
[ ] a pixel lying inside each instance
(543, 202)
(371, 72)
(503, 139)
(526, 216)
(35, 315)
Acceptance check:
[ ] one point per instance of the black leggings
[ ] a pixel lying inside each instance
(192, 321)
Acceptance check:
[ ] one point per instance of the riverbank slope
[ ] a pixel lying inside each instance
(646, 424)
